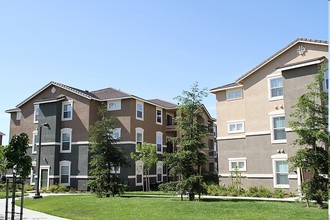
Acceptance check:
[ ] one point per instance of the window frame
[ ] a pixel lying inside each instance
(117, 105)
(36, 114)
(114, 131)
(270, 97)
(63, 106)
(237, 160)
(34, 141)
(18, 115)
(229, 123)
(140, 131)
(326, 81)
(33, 173)
(66, 131)
(279, 141)
(159, 116)
(234, 91)
(138, 171)
(159, 135)
(65, 163)
(278, 158)
(159, 171)
(138, 103)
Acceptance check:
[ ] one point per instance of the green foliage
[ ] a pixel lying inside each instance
(278, 193)
(186, 163)
(311, 124)
(147, 154)
(105, 156)
(2, 160)
(16, 156)
(168, 187)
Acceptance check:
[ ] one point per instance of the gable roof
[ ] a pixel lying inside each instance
(80, 92)
(265, 62)
(110, 93)
(164, 104)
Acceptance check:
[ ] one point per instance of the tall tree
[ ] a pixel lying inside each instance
(187, 162)
(147, 154)
(2, 160)
(105, 157)
(310, 124)
(16, 156)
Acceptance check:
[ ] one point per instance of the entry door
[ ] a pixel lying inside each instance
(44, 178)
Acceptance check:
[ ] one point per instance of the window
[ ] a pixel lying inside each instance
(159, 170)
(237, 163)
(278, 129)
(139, 110)
(281, 171)
(33, 173)
(234, 94)
(114, 105)
(116, 133)
(66, 137)
(139, 135)
(18, 116)
(159, 142)
(236, 127)
(276, 88)
(36, 113)
(67, 110)
(138, 173)
(159, 116)
(65, 170)
(115, 170)
(34, 141)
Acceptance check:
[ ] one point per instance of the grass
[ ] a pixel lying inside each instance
(3, 194)
(90, 207)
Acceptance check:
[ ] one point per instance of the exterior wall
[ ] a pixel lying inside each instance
(255, 109)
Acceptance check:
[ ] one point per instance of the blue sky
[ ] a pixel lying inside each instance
(149, 48)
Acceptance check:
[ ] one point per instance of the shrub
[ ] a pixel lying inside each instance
(28, 188)
(265, 192)
(252, 191)
(278, 193)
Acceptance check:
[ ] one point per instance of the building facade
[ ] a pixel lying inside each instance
(253, 114)
(70, 112)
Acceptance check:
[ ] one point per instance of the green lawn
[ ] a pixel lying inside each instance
(90, 207)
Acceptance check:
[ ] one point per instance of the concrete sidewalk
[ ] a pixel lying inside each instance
(27, 213)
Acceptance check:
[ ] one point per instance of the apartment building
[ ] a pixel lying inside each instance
(253, 113)
(1, 136)
(70, 112)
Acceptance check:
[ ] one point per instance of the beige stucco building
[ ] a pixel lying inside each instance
(253, 114)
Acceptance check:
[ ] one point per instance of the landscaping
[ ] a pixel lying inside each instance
(90, 207)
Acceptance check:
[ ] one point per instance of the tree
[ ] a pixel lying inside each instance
(105, 157)
(311, 124)
(187, 162)
(16, 156)
(147, 154)
(2, 160)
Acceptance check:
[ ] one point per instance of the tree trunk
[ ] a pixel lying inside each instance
(191, 196)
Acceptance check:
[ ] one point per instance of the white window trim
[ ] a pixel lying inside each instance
(34, 164)
(272, 129)
(65, 163)
(158, 133)
(138, 163)
(117, 107)
(116, 130)
(34, 113)
(18, 115)
(68, 131)
(139, 130)
(228, 91)
(159, 170)
(237, 160)
(235, 123)
(279, 157)
(142, 104)
(270, 98)
(34, 144)
(113, 170)
(44, 167)
(325, 78)
(67, 103)
(161, 116)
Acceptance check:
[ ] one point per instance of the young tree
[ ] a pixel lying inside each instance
(16, 156)
(2, 160)
(311, 124)
(187, 162)
(147, 154)
(105, 157)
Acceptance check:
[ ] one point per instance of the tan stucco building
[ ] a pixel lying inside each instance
(253, 114)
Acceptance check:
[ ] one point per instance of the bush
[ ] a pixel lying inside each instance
(265, 192)
(278, 193)
(28, 188)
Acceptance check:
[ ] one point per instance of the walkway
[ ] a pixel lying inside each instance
(27, 213)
